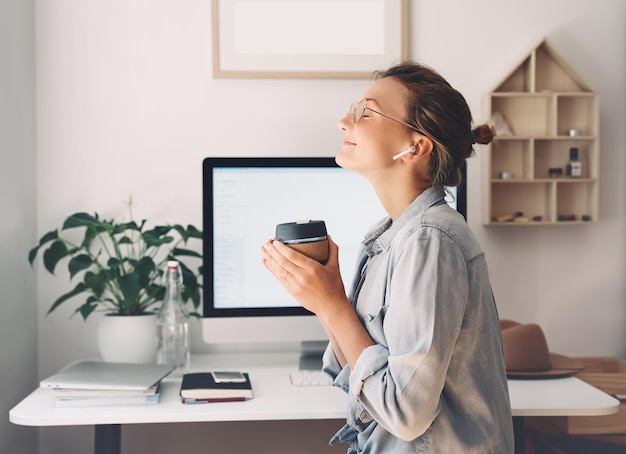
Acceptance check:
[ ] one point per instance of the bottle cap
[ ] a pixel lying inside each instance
(300, 230)
(573, 154)
(172, 264)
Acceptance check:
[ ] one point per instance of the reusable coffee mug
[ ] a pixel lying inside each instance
(306, 236)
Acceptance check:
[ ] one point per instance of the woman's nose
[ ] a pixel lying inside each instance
(344, 123)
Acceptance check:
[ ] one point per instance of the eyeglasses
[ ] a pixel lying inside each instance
(358, 108)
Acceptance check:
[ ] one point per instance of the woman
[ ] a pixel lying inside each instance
(416, 344)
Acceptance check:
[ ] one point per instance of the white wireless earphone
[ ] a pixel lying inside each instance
(411, 149)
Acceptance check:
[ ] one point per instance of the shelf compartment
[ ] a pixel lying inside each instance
(555, 153)
(520, 80)
(512, 156)
(552, 73)
(527, 115)
(576, 112)
(575, 198)
(528, 197)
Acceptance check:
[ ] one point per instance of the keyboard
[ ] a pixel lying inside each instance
(309, 378)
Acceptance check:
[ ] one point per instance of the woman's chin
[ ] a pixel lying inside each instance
(343, 159)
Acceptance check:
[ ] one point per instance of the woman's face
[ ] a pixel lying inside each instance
(371, 143)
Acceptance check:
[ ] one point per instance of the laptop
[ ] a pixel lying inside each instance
(104, 375)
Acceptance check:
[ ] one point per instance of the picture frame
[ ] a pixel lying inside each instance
(327, 39)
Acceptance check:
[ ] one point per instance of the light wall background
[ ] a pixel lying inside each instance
(126, 104)
(18, 214)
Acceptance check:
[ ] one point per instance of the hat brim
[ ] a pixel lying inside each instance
(561, 366)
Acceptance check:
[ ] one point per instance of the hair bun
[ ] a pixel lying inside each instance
(483, 134)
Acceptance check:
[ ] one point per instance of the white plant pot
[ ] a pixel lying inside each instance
(127, 338)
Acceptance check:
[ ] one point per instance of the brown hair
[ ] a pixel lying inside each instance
(442, 113)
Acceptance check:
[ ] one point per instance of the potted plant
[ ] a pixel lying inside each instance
(118, 266)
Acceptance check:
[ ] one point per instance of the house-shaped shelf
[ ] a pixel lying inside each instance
(541, 110)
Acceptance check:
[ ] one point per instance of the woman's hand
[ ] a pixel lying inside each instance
(316, 287)
(319, 288)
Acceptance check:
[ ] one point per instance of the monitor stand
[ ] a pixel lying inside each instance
(311, 353)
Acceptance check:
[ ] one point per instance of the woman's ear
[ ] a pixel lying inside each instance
(423, 147)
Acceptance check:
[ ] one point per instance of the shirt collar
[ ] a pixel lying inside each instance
(379, 238)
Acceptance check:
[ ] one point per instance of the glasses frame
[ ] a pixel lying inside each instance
(357, 111)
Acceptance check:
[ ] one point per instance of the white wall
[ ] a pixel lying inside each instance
(18, 322)
(127, 104)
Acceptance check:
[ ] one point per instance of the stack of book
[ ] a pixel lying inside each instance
(98, 383)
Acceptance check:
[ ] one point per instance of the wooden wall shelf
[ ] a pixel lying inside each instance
(548, 109)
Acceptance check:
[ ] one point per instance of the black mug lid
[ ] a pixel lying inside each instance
(300, 229)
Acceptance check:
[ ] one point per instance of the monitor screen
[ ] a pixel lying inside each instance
(244, 199)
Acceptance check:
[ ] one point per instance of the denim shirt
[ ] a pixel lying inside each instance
(435, 380)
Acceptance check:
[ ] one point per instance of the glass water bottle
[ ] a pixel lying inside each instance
(173, 323)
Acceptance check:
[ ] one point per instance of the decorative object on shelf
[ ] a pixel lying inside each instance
(540, 111)
(555, 172)
(573, 132)
(119, 265)
(500, 125)
(512, 217)
(574, 166)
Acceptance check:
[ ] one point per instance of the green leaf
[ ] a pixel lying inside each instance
(193, 294)
(194, 232)
(189, 278)
(178, 252)
(96, 282)
(130, 287)
(53, 235)
(77, 290)
(79, 263)
(157, 236)
(81, 220)
(114, 262)
(191, 288)
(121, 228)
(87, 308)
(50, 236)
(155, 292)
(32, 254)
(144, 269)
(190, 232)
(53, 254)
(90, 234)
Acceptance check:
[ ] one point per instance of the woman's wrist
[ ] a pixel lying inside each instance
(333, 313)
(346, 330)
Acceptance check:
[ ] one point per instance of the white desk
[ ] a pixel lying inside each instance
(276, 399)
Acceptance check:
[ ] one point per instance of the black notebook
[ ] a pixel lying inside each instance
(202, 387)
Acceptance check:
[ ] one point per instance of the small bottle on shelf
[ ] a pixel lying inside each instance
(173, 323)
(574, 166)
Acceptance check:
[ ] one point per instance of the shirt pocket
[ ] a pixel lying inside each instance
(374, 324)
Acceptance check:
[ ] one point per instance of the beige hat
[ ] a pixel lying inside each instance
(526, 353)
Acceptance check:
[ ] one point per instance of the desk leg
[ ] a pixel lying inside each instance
(519, 432)
(108, 439)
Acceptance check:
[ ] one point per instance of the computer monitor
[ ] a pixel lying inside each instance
(244, 199)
